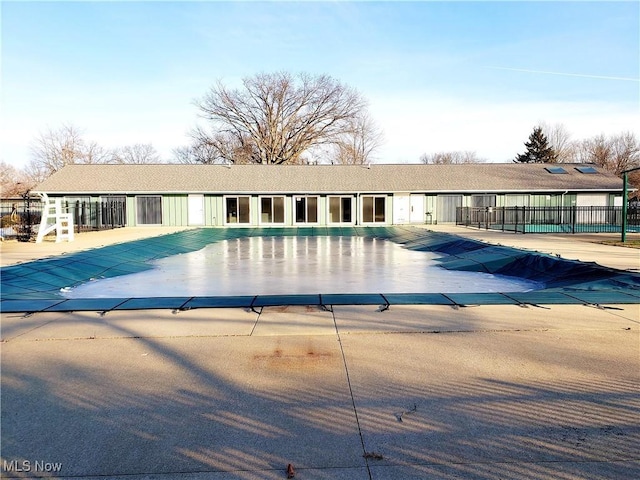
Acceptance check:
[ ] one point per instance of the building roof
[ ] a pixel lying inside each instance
(383, 178)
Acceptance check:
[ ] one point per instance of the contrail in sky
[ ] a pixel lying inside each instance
(601, 77)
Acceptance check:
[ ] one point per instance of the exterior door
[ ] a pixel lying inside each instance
(196, 210)
(417, 209)
(401, 207)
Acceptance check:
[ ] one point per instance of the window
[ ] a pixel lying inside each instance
(306, 209)
(114, 198)
(80, 209)
(555, 170)
(549, 200)
(149, 210)
(272, 210)
(373, 209)
(113, 210)
(587, 169)
(446, 208)
(516, 200)
(237, 210)
(340, 210)
(483, 200)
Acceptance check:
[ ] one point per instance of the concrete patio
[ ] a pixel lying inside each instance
(483, 392)
(412, 392)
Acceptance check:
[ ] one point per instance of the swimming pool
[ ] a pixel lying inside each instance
(297, 265)
(36, 286)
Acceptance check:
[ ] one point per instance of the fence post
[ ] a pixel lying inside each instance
(623, 227)
(76, 215)
(98, 215)
(26, 231)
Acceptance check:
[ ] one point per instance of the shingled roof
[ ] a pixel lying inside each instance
(176, 178)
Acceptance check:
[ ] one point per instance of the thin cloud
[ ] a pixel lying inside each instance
(566, 74)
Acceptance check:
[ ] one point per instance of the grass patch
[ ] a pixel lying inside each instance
(635, 243)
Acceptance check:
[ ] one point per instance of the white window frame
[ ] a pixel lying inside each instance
(384, 207)
(226, 216)
(353, 210)
(306, 209)
(272, 198)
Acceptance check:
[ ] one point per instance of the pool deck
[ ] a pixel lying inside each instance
(13, 252)
(435, 392)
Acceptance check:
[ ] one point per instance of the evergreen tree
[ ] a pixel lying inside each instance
(538, 149)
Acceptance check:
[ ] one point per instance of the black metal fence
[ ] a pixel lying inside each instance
(549, 219)
(20, 217)
(99, 215)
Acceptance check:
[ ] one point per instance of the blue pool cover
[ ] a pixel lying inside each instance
(35, 286)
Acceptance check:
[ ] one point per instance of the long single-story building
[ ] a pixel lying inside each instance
(324, 195)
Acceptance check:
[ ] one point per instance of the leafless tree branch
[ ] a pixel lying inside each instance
(276, 117)
(450, 158)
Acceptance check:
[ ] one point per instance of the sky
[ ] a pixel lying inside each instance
(438, 76)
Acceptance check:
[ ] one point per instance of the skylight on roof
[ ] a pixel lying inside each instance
(587, 169)
(555, 170)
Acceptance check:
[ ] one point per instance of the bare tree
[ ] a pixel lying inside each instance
(211, 148)
(593, 150)
(13, 182)
(615, 153)
(54, 149)
(626, 155)
(276, 117)
(559, 140)
(94, 153)
(358, 142)
(625, 151)
(193, 154)
(450, 158)
(139, 153)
